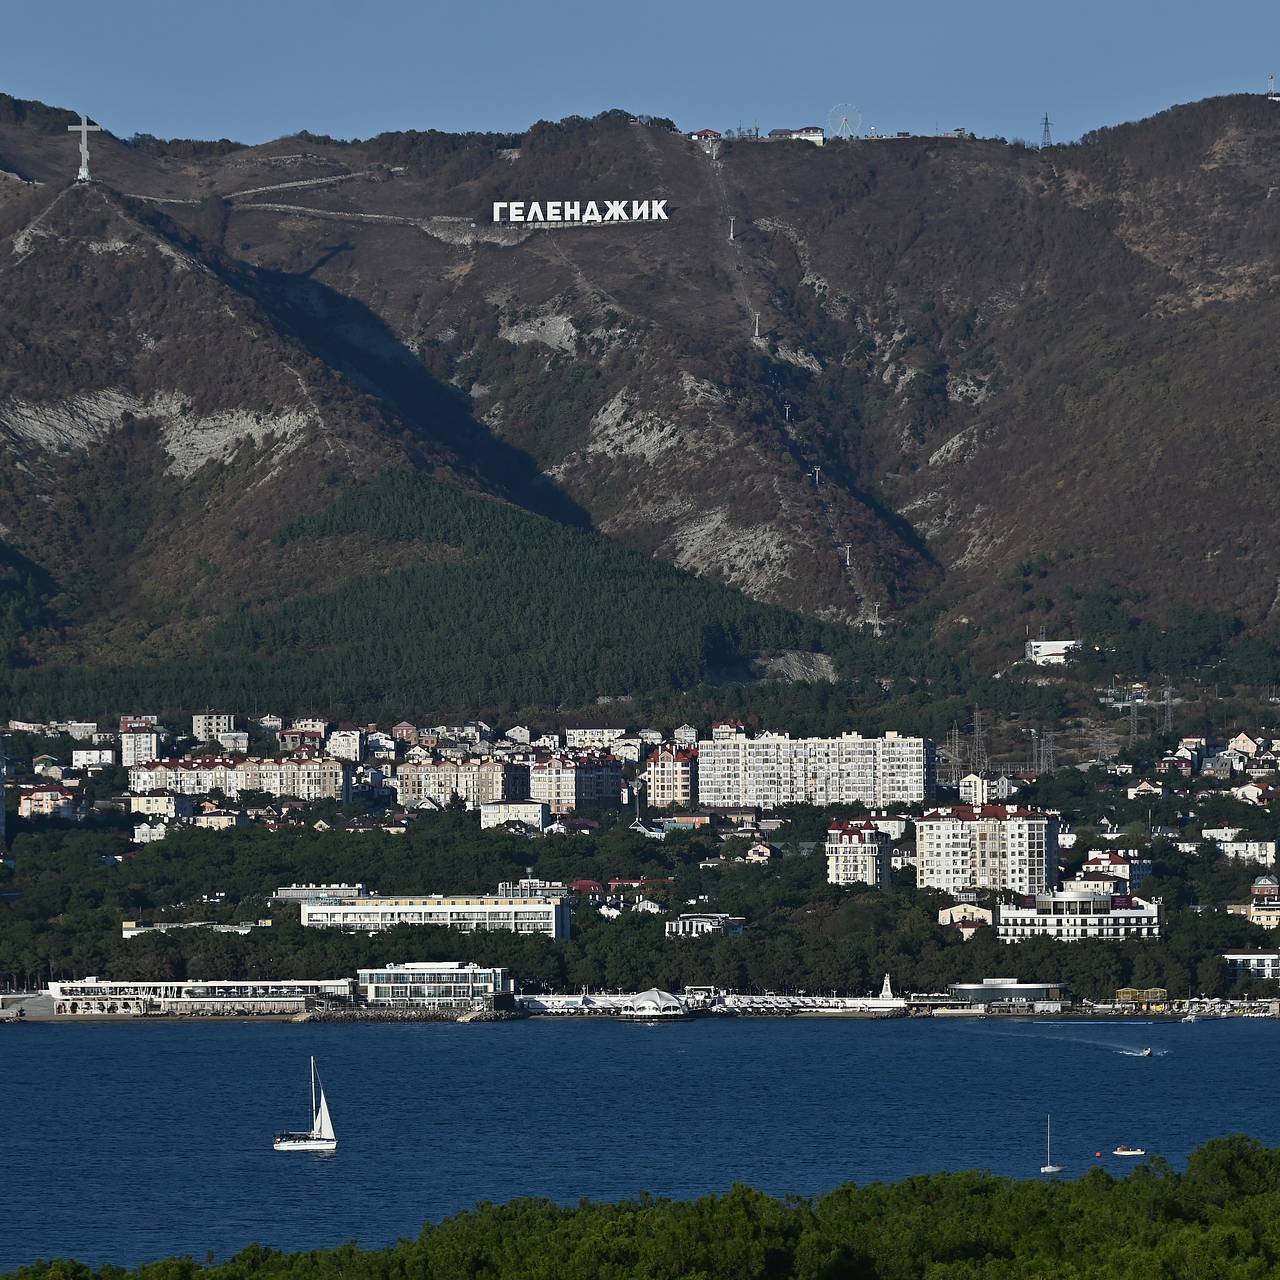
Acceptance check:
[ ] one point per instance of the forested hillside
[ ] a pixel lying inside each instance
(502, 610)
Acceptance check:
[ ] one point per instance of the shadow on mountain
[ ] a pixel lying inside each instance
(358, 343)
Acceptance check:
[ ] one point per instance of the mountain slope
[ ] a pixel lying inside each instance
(988, 380)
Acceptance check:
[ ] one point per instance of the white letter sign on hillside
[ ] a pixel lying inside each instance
(565, 212)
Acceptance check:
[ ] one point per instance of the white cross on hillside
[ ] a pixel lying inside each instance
(84, 129)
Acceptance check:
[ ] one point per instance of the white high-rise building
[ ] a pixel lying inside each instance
(991, 846)
(858, 853)
(138, 746)
(775, 769)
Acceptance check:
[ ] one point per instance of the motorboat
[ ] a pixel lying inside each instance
(1146, 1053)
(1191, 1017)
(1048, 1166)
(1122, 1150)
(320, 1137)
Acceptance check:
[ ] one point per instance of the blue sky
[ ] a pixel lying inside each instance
(253, 71)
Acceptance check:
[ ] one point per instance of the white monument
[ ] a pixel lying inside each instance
(84, 129)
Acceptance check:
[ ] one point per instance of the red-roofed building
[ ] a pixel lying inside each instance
(48, 802)
(671, 778)
(857, 853)
(991, 846)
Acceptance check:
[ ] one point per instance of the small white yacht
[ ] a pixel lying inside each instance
(320, 1137)
(1048, 1166)
(1123, 1150)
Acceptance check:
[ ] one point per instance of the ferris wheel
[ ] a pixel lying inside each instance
(844, 121)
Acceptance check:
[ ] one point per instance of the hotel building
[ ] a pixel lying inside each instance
(1069, 916)
(438, 984)
(470, 914)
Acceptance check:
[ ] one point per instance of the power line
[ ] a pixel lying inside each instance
(978, 758)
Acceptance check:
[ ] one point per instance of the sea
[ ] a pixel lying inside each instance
(127, 1142)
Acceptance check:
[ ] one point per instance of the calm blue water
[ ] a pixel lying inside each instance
(125, 1143)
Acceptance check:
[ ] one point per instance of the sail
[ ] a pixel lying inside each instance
(323, 1127)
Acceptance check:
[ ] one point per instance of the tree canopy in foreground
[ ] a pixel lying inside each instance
(1220, 1218)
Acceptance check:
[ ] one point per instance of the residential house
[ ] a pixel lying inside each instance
(705, 925)
(162, 804)
(966, 918)
(52, 801)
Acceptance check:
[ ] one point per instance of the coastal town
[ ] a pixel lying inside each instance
(996, 861)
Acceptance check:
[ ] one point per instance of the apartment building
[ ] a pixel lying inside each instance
(473, 781)
(302, 778)
(774, 769)
(566, 783)
(138, 746)
(593, 739)
(858, 853)
(1070, 916)
(207, 725)
(162, 804)
(987, 847)
(469, 914)
(530, 813)
(671, 778)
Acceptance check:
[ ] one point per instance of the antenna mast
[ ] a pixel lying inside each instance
(1046, 137)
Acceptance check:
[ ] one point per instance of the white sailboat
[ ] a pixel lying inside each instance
(320, 1137)
(1048, 1166)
